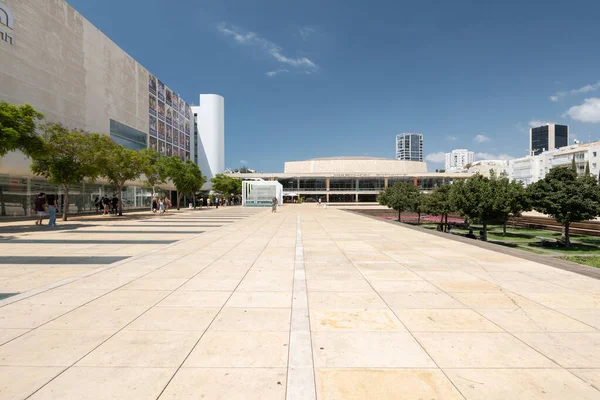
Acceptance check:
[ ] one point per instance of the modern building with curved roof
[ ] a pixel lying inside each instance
(350, 179)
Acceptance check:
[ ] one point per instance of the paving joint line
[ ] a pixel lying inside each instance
(54, 285)
(301, 378)
(223, 306)
(391, 310)
(130, 322)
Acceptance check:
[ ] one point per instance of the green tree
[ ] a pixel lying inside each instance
(17, 129)
(155, 168)
(400, 197)
(573, 165)
(187, 178)
(476, 199)
(120, 165)
(511, 198)
(587, 168)
(439, 203)
(67, 158)
(566, 197)
(226, 184)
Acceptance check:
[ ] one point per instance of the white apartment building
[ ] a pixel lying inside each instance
(531, 169)
(458, 158)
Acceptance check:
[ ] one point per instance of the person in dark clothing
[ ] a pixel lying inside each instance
(97, 204)
(471, 235)
(40, 208)
(106, 204)
(115, 204)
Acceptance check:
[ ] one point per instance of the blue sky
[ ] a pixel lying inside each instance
(317, 78)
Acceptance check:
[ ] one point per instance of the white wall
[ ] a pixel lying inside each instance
(211, 135)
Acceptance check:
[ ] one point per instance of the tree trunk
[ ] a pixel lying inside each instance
(504, 228)
(178, 198)
(399, 216)
(419, 218)
(484, 232)
(565, 234)
(194, 199)
(3, 204)
(65, 202)
(120, 200)
(446, 222)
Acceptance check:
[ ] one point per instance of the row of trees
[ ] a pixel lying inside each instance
(562, 194)
(66, 157)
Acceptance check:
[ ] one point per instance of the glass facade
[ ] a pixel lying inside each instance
(561, 136)
(314, 184)
(539, 140)
(289, 184)
(18, 194)
(128, 137)
(342, 184)
(371, 184)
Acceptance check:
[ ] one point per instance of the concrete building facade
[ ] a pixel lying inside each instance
(209, 134)
(350, 179)
(409, 147)
(531, 169)
(58, 62)
(457, 159)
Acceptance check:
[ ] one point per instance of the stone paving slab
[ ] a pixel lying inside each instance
(306, 303)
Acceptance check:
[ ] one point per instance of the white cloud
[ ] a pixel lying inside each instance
(536, 122)
(584, 89)
(306, 32)
(270, 48)
(490, 156)
(451, 137)
(271, 74)
(589, 111)
(438, 157)
(481, 138)
(243, 162)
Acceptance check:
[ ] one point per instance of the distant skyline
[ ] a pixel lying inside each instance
(343, 77)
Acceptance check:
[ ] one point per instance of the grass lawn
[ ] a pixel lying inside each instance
(592, 261)
(584, 249)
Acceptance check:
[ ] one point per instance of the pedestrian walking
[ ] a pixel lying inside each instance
(161, 205)
(217, 202)
(167, 204)
(97, 204)
(105, 204)
(274, 204)
(154, 205)
(40, 208)
(51, 201)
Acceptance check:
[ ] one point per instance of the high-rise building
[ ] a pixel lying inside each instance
(409, 147)
(209, 135)
(83, 80)
(457, 159)
(547, 137)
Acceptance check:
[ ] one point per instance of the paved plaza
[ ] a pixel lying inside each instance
(307, 303)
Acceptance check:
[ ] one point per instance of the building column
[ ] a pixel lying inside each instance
(327, 197)
(385, 182)
(356, 199)
(134, 197)
(327, 184)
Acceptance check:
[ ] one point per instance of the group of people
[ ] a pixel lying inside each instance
(161, 204)
(46, 203)
(107, 205)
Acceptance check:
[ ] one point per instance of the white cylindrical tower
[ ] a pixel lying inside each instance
(210, 146)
